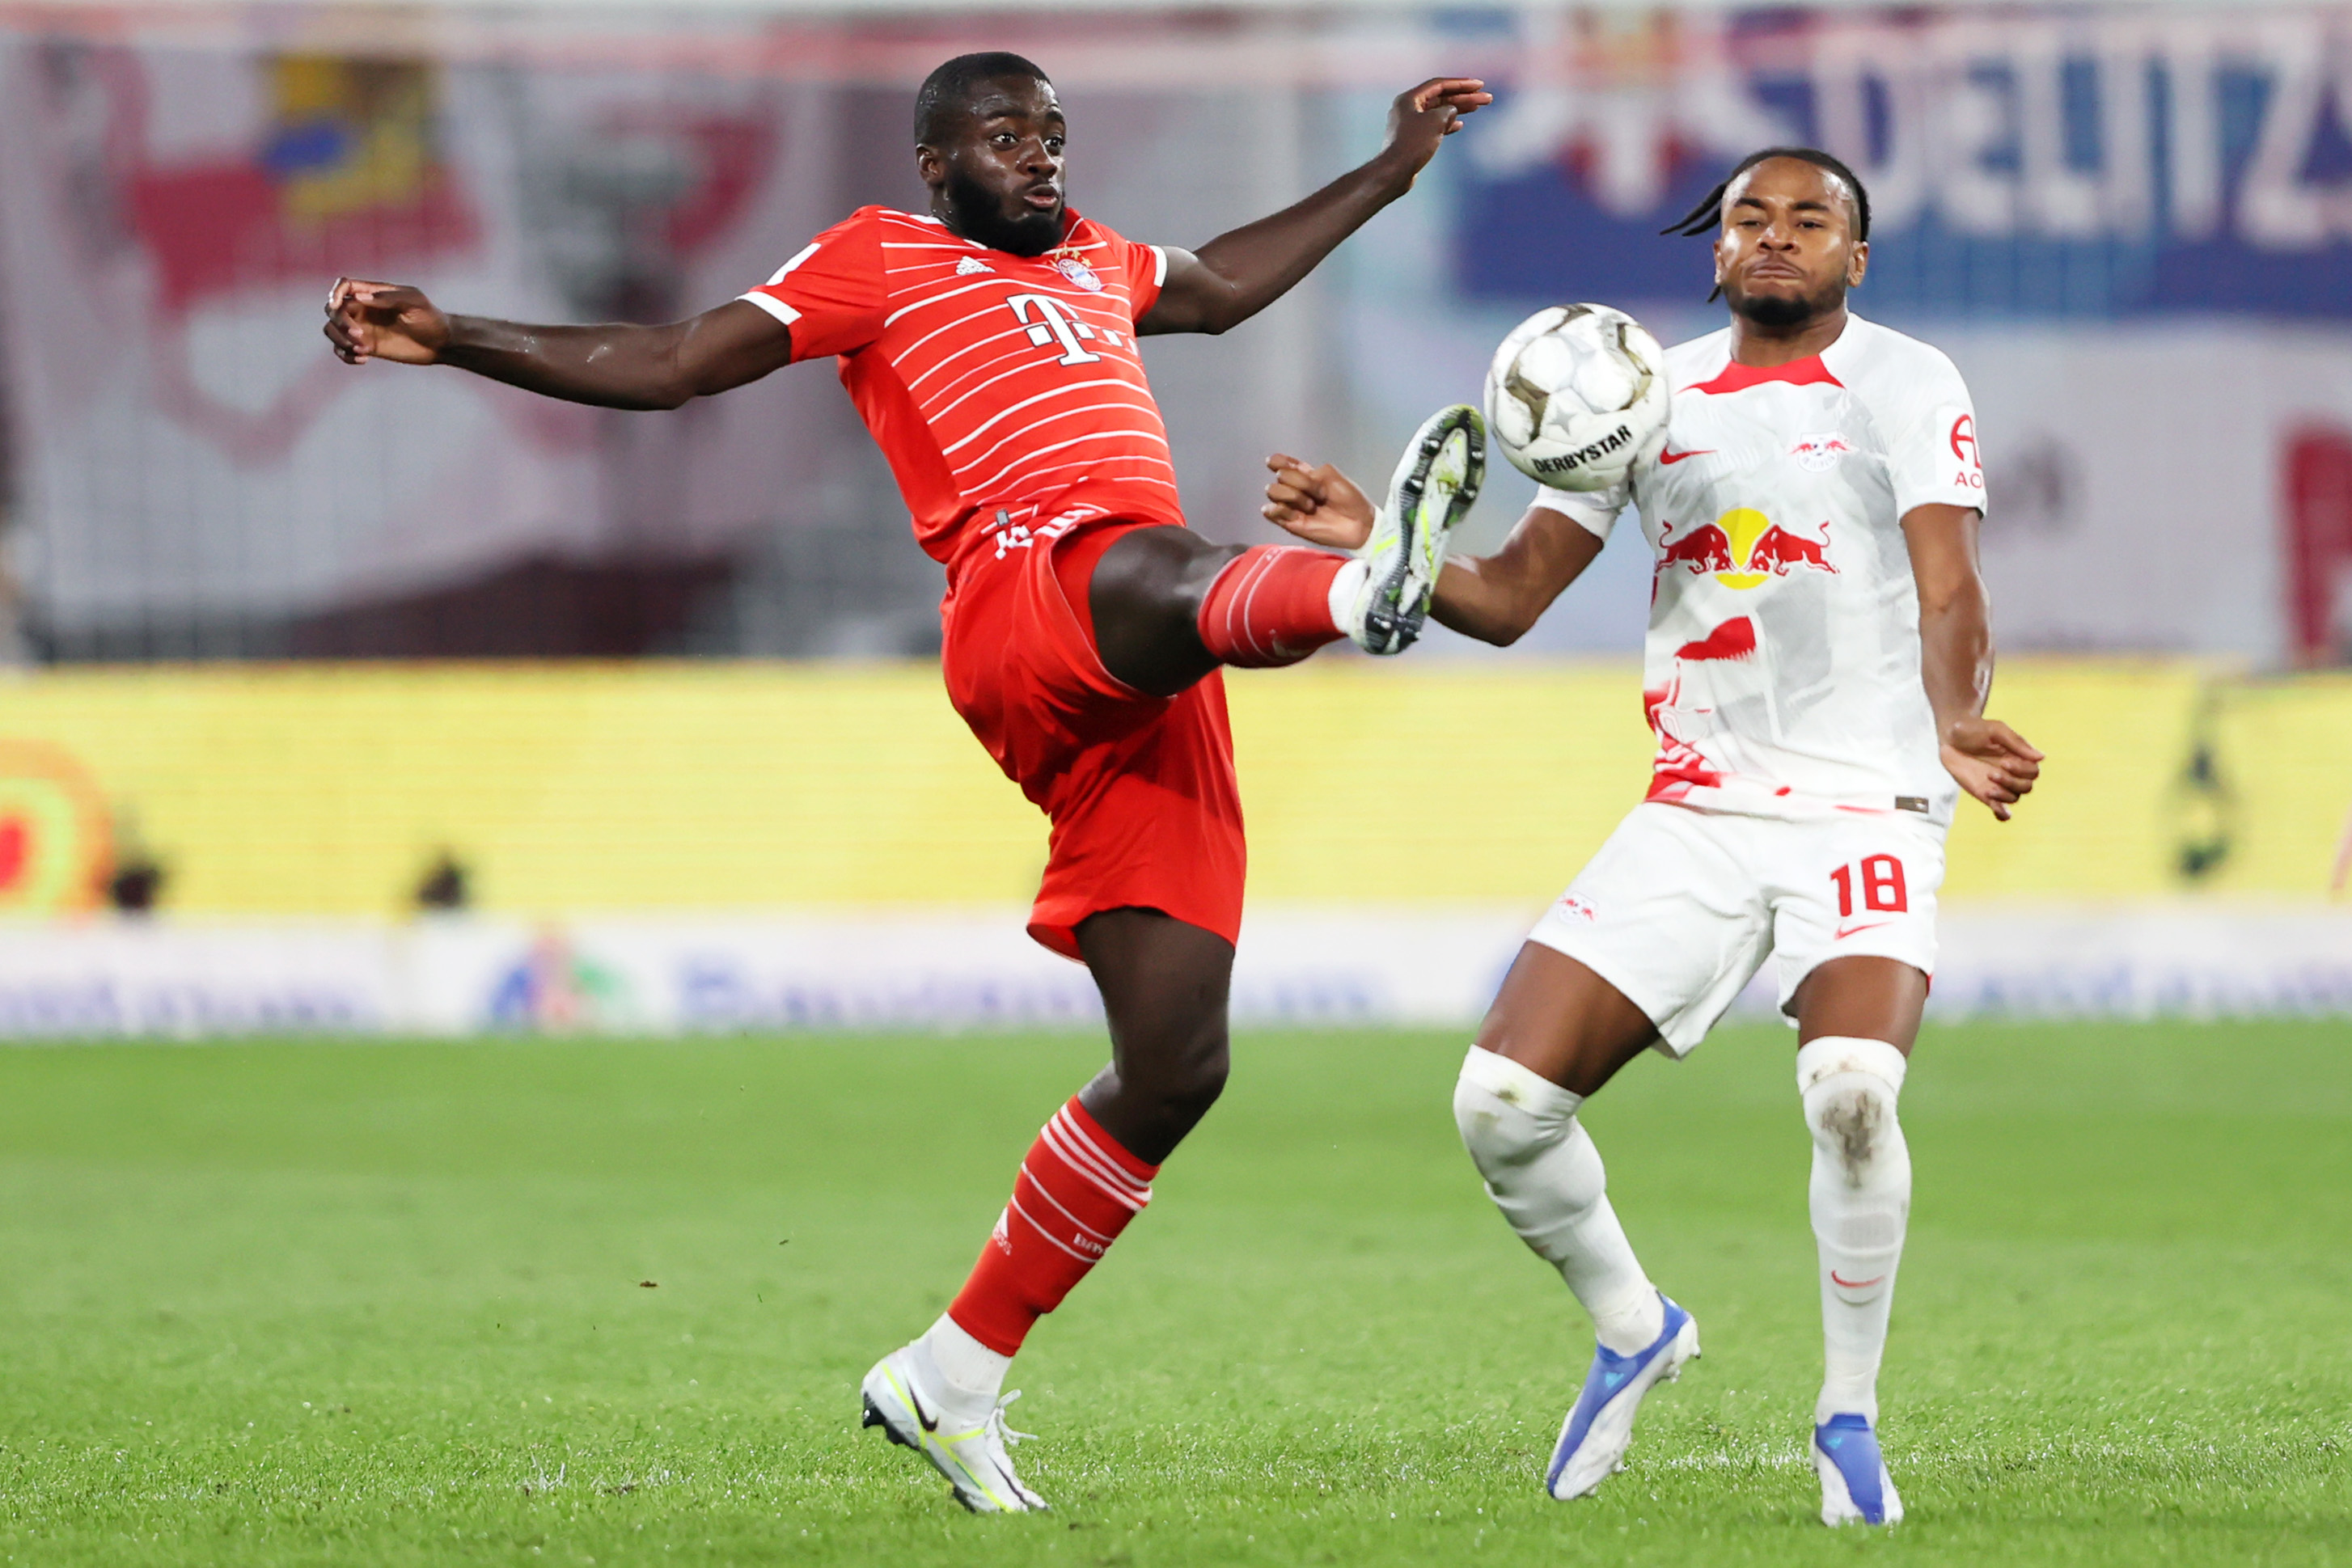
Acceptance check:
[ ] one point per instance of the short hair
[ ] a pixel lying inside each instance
(1708, 216)
(949, 90)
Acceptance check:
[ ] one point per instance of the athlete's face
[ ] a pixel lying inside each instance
(1788, 251)
(996, 176)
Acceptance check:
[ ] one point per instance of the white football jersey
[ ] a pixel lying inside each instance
(1781, 670)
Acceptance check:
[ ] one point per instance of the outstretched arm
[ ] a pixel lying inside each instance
(1495, 597)
(1990, 760)
(613, 366)
(1237, 274)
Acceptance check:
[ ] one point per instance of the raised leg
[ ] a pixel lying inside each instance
(1146, 603)
(1167, 606)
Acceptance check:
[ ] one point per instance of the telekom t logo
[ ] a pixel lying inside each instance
(1049, 320)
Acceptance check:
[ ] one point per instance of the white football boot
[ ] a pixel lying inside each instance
(1856, 1487)
(1434, 484)
(1599, 1425)
(906, 1397)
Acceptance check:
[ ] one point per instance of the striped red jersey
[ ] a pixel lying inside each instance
(1006, 391)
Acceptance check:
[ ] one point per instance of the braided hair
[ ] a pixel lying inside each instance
(1708, 216)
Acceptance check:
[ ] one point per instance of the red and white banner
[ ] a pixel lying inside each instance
(2133, 230)
(169, 222)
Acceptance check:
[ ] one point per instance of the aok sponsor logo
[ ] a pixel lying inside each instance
(1616, 440)
(1743, 548)
(1970, 471)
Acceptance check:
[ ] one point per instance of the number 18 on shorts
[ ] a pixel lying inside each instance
(1681, 907)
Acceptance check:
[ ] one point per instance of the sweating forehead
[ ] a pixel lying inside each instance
(1795, 181)
(1011, 95)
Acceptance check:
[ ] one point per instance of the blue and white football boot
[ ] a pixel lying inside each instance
(1856, 1487)
(1593, 1440)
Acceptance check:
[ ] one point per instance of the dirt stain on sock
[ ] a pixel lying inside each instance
(1853, 1121)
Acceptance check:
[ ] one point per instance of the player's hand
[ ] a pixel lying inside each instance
(1422, 117)
(1992, 761)
(1321, 505)
(384, 321)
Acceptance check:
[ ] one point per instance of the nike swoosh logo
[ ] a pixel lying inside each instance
(1845, 931)
(1838, 1279)
(1611, 1379)
(1666, 458)
(931, 1423)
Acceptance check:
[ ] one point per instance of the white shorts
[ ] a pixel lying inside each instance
(1681, 907)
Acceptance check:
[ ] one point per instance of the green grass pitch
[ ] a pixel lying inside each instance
(572, 1302)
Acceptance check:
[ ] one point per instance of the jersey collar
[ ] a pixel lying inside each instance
(1813, 370)
(1070, 224)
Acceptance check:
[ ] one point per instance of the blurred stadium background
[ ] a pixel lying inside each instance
(380, 700)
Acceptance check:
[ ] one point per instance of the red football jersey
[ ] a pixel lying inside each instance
(1007, 392)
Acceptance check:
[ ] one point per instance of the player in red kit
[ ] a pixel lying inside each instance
(990, 344)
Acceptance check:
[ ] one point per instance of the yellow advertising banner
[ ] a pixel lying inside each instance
(317, 789)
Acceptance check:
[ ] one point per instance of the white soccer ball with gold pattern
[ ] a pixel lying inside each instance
(1577, 395)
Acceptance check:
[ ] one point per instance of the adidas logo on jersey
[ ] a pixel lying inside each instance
(971, 264)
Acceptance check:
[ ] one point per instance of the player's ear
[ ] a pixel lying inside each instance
(929, 166)
(1857, 263)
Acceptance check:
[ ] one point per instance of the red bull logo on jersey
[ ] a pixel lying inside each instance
(1743, 548)
(1819, 454)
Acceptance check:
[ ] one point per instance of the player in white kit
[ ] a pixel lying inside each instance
(1816, 670)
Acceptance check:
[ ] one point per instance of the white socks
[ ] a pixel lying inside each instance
(1349, 583)
(1861, 1199)
(973, 1374)
(1544, 1174)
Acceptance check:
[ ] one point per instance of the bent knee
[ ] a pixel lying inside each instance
(1202, 1081)
(1508, 1115)
(1852, 1121)
(1850, 1089)
(1156, 574)
(1180, 1092)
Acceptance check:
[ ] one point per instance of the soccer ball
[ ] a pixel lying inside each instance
(1577, 395)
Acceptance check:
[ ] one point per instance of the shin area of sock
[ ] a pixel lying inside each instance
(1270, 605)
(1076, 1190)
(1860, 1197)
(1544, 1174)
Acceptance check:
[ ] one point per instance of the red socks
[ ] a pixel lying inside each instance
(1075, 1192)
(1270, 605)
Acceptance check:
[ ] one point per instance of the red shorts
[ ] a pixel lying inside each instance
(1140, 790)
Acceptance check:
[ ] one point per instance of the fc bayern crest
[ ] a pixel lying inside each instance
(1079, 273)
